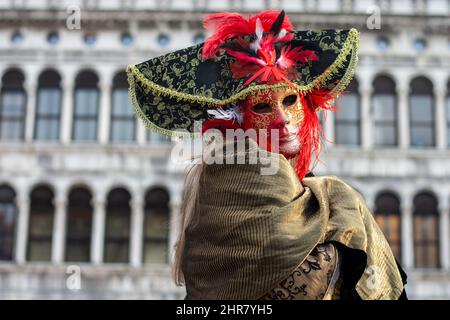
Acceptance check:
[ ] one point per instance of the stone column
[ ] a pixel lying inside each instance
(68, 103)
(403, 118)
(105, 111)
(407, 237)
(31, 91)
(59, 229)
(441, 119)
(444, 238)
(136, 230)
(329, 128)
(23, 206)
(98, 230)
(141, 132)
(366, 118)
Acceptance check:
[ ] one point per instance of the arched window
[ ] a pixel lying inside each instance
(79, 225)
(387, 215)
(384, 110)
(8, 221)
(48, 111)
(12, 106)
(426, 231)
(448, 113)
(156, 225)
(85, 113)
(421, 113)
(117, 231)
(40, 224)
(348, 118)
(123, 122)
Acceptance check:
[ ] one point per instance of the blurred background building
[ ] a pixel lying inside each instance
(86, 190)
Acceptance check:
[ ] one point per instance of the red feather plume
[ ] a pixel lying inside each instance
(311, 133)
(227, 25)
(290, 57)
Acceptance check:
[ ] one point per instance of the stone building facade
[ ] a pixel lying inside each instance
(86, 190)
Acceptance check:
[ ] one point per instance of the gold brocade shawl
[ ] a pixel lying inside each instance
(254, 230)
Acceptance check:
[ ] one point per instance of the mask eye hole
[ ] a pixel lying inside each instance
(289, 100)
(262, 108)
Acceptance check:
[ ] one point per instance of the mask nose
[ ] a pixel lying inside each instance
(281, 122)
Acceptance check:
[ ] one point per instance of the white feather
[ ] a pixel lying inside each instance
(255, 45)
(282, 33)
(259, 29)
(281, 62)
(233, 113)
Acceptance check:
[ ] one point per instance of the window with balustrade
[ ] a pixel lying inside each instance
(421, 113)
(86, 107)
(384, 111)
(48, 107)
(79, 225)
(426, 230)
(117, 226)
(123, 121)
(40, 226)
(347, 118)
(156, 225)
(387, 215)
(12, 106)
(8, 222)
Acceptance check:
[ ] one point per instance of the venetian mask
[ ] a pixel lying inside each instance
(279, 110)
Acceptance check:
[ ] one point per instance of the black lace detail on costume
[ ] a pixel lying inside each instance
(310, 280)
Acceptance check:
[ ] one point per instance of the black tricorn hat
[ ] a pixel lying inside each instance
(172, 91)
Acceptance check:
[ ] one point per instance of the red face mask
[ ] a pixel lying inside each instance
(277, 109)
(293, 117)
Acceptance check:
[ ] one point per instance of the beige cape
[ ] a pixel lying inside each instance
(254, 230)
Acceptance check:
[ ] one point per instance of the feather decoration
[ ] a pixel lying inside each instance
(282, 34)
(277, 24)
(322, 99)
(239, 45)
(290, 57)
(256, 45)
(233, 113)
(267, 19)
(227, 25)
(267, 57)
(246, 58)
(267, 43)
(311, 132)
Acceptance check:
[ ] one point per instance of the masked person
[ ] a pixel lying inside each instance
(246, 235)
